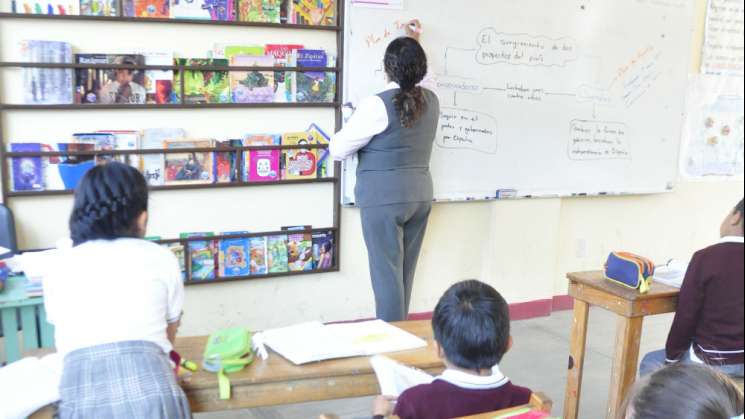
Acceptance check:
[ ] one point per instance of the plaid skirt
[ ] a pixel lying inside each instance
(123, 380)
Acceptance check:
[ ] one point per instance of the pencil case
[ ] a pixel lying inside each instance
(630, 270)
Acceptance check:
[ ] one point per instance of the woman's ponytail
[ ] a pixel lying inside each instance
(406, 64)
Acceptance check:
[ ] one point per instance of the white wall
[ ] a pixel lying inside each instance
(523, 248)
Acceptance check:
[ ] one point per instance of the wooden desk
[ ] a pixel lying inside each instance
(538, 401)
(592, 289)
(277, 381)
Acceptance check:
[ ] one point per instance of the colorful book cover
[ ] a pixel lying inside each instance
(252, 86)
(103, 86)
(178, 250)
(299, 251)
(267, 11)
(313, 12)
(152, 165)
(189, 168)
(203, 9)
(234, 256)
(146, 8)
(203, 86)
(277, 254)
(64, 173)
(203, 256)
(101, 141)
(27, 171)
(230, 51)
(323, 250)
(99, 7)
(158, 83)
(126, 140)
(314, 86)
(226, 170)
(285, 55)
(45, 7)
(262, 165)
(298, 163)
(258, 255)
(48, 86)
(325, 164)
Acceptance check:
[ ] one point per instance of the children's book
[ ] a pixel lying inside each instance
(325, 164)
(277, 254)
(203, 86)
(313, 12)
(235, 256)
(178, 250)
(285, 55)
(45, 7)
(203, 256)
(65, 172)
(146, 8)
(226, 170)
(27, 171)
(323, 250)
(314, 86)
(126, 140)
(99, 7)
(267, 11)
(252, 86)
(203, 9)
(50, 86)
(158, 83)
(103, 86)
(299, 249)
(262, 165)
(189, 168)
(153, 164)
(298, 163)
(101, 141)
(229, 51)
(258, 255)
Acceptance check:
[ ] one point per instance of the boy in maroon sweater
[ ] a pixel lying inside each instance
(472, 332)
(708, 325)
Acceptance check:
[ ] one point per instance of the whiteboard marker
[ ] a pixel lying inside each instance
(506, 193)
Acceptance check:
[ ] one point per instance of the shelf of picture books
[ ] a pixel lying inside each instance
(206, 257)
(306, 14)
(169, 159)
(234, 75)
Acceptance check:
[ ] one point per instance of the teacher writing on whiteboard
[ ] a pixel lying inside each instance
(393, 133)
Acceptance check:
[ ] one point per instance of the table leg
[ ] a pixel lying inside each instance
(576, 359)
(625, 361)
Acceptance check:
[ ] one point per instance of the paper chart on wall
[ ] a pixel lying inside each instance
(723, 51)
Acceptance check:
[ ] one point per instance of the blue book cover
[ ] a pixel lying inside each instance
(314, 86)
(27, 171)
(234, 256)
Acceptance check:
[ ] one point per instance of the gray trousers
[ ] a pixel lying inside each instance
(394, 235)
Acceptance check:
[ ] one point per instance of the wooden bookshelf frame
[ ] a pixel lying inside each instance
(6, 156)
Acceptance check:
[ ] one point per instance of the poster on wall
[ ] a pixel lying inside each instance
(723, 43)
(713, 132)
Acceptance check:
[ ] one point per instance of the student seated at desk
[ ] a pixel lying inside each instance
(472, 332)
(115, 301)
(709, 325)
(684, 391)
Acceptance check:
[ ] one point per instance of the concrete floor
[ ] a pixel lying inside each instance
(538, 361)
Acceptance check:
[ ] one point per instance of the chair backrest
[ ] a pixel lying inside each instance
(7, 230)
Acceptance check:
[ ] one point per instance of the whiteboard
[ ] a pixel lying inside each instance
(539, 97)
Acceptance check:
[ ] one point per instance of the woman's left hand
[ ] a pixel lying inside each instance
(414, 29)
(383, 405)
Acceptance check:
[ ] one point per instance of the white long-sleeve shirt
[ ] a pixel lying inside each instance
(369, 119)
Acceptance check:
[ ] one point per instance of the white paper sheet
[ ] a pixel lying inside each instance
(395, 378)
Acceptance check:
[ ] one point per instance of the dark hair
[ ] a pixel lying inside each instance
(472, 325)
(108, 201)
(684, 391)
(740, 210)
(406, 64)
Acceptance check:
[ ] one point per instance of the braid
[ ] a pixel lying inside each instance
(406, 64)
(108, 202)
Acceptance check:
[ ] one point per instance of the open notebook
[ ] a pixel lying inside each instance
(315, 341)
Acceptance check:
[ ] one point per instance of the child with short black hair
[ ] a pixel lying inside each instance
(472, 331)
(709, 327)
(684, 391)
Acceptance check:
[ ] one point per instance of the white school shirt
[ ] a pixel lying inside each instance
(108, 291)
(369, 119)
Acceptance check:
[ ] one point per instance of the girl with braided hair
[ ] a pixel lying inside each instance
(115, 301)
(393, 134)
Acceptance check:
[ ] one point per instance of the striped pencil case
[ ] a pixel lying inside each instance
(630, 270)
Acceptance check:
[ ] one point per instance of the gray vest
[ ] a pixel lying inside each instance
(394, 166)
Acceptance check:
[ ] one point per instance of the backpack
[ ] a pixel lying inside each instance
(228, 351)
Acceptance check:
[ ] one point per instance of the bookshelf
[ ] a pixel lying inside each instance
(333, 182)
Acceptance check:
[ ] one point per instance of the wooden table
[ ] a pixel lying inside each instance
(592, 289)
(277, 381)
(538, 401)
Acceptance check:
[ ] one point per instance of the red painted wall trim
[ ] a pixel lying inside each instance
(524, 311)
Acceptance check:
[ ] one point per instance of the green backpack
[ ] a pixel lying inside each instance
(228, 350)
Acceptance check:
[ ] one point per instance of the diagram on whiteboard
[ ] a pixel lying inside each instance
(542, 98)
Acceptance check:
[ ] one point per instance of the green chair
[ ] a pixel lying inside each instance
(16, 309)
